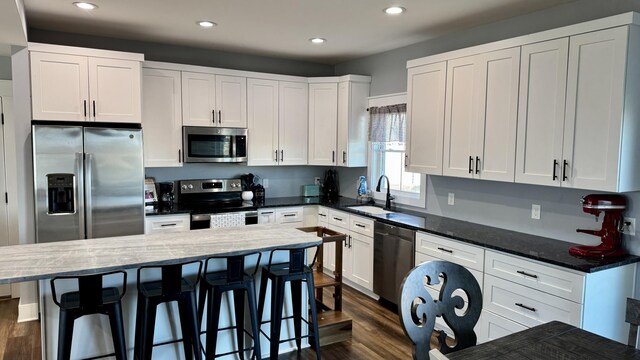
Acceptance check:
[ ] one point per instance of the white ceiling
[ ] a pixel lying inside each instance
(280, 28)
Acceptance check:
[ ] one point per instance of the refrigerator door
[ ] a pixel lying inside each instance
(58, 176)
(114, 182)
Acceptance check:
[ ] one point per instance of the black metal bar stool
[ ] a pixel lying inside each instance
(295, 272)
(91, 298)
(172, 286)
(214, 285)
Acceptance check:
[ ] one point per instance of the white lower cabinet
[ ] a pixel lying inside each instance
(291, 216)
(492, 326)
(166, 223)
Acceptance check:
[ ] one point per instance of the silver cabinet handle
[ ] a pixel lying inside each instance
(336, 218)
(267, 213)
(360, 225)
(323, 215)
(445, 250)
(166, 225)
(289, 215)
(527, 274)
(276, 159)
(344, 157)
(87, 190)
(281, 155)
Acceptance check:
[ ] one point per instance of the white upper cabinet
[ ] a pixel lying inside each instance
(481, 115)
(425, 118)
(198, 99)
(262, 122)
(231, 101)
(352, 123)
(162, 117)
(543, 83)
(214, 100)
(73, 87)
(293, 122)
(323, 123)
(594, 110)
(277, 121)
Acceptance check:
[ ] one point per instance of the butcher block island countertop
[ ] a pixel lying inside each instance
(43, 261)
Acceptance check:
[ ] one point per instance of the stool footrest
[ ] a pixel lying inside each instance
(285, 340)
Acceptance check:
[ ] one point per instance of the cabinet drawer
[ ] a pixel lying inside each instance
(166, 223)
(323, 215)
(527, 306)
(339, 218)
(361, 225)
(538, 276)
(420, 258)
(469, 256)
(289, 215)
(492, 326)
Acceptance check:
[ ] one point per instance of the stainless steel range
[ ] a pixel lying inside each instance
(215, 203)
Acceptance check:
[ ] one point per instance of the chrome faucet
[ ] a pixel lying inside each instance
(387, 204)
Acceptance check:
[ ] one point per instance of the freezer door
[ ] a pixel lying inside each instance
(58, 176)
(114, 182)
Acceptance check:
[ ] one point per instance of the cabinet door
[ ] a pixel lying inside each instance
(496, 135)
(162, 119)
(231, 101)
(352, 124)
(543, 82)
(323, 123)
(461, 116)
(262, 114)
(361, 260)
(115, 90)
(267, 216)
(425, 118)
(294, 122)
(59, 87)
(595, 100)
(198, 99)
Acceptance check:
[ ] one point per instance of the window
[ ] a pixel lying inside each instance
(387, 130)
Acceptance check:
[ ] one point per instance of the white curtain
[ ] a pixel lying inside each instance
(388, 123)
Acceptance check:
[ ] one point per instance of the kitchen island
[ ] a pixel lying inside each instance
(92, 335)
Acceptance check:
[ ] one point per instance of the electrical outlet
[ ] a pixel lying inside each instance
(265, 183)
(316, 180)
(535, 211)
(629, 226)
(451, 199)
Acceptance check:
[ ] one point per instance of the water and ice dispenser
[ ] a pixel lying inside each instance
(60, 193)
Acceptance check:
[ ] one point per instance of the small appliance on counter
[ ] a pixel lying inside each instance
(165, 191)
(150, 192)
(330, 185)
(310, 190)
(613, 207)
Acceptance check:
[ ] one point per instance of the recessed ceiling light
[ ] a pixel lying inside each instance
(318, 40)
(394, 10)
(85, 5)
(206, 24)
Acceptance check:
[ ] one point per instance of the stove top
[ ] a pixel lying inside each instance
(208, 196)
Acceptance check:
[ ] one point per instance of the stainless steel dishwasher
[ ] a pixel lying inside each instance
(393, 258)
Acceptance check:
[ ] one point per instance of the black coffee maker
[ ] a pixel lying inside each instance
(165, 190)
(330, 186)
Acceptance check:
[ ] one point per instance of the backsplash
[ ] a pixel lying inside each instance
(283, 180)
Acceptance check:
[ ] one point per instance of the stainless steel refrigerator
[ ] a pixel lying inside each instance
(89, 182)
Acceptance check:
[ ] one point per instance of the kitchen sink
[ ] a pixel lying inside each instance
(370, 210)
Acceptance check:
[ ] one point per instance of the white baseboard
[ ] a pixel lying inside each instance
(27, 312)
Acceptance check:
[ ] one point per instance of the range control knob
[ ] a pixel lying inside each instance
(184, 187)
(233, 185)
(190, 186)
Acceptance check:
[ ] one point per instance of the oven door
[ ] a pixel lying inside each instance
(209, 144)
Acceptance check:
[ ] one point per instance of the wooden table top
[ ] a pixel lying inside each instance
(553, 340)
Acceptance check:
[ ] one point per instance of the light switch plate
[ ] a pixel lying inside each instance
(316, 181)
(535, 211)
(629, 227)
(451, 199)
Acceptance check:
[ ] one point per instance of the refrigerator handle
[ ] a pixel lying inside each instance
(79, 191)
(87, 193)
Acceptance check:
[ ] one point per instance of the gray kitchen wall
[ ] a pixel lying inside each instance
(388, 69)
(5, 67)
(185, 54)
(283, 180)
(504, 205)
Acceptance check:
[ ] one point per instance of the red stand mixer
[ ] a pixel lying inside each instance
(613, 206)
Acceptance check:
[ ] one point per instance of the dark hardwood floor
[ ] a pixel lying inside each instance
(376, 333)
(18, 341)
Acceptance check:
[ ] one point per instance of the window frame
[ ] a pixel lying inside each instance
(401, 197)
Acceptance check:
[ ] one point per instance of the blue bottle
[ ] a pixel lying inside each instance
(362, 186)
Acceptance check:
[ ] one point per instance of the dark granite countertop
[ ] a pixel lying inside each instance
(539, 248)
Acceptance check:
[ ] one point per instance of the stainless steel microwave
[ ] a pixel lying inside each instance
(213, 144)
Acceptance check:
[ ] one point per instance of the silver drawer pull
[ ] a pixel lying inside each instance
(266, 212)
(360, 225)
(527, 274)
(526, 307)
(338, 219)
(445, 250)
(289, 215)
(165, 225)
(323, 215)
